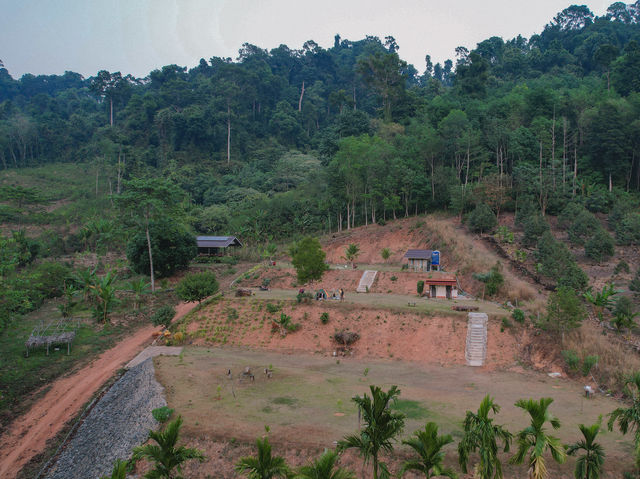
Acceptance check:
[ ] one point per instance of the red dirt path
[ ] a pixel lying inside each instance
(29, 434)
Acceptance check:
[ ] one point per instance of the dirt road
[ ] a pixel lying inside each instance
(29, 434)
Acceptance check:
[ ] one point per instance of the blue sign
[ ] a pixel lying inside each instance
(435, 257)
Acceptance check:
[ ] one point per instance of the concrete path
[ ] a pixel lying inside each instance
(152, 352)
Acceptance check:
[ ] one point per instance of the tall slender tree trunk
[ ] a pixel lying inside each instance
(564, 152)
(153, 283)
(553, 149)
(111, 110)
(575, 169)
(301, 95)
(228, 133)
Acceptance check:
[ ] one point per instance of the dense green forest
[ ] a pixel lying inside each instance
(284, 142)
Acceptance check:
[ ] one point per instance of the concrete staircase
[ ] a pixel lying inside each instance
(476, 350)
(366, 282)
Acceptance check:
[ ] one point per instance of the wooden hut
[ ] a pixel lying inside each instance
(216, 245)
(422, 260)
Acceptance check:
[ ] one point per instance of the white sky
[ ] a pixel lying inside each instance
(137, 36)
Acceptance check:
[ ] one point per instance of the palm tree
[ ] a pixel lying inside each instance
(428, 445)
(588, 466)
(265, 466)
(381, 426)
(480, 434)
(628, 419)
(324, 468)
(119, 470)
(167, 458)
(351, 252)
(534, 440)
(139, 287)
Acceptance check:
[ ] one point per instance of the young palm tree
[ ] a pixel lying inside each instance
(139, 287)
(428, 445)
(324, 468)
(588, 466)
(264, 466)
(628, 419)
(535, 440)
(351, 252)
(381, 426)
(480, 434)
(166, 457)
(119, 470)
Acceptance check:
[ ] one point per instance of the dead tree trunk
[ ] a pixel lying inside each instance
(301, 95)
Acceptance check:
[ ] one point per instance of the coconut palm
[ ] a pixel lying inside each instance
(167, 459)
(588, 466)
(428, 445)
(264, 466)
(119, 470)
(324, 468)
(381, 426)
(351, 252)
(628, 419)
(483, 436)
(534, 439)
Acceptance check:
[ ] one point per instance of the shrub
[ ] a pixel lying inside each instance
(588, 363)
(347, 338)
(163, 316)
(571, 359)
(178, 337)
(557, 262)
(173, 248)
(570, 213)
(518, 315)
(304, 297)
(420, 287)
(600, 246)
(504, 235)
(385, 253)
(197, 286)
(634, 284)
(324, 318)
(272, 308)
(493, 279)
(623, 313)
(482, 219)
(506, 323)
(628, 230)
(582, 227)
(621, 267)
(394, 278)
(162, 414)
(535, 227)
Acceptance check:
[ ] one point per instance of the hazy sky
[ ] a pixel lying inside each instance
(137, 36)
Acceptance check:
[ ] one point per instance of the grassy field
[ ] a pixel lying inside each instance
(397, 301)
(308, 403)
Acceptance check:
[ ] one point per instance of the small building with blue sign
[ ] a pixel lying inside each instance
(422, 260)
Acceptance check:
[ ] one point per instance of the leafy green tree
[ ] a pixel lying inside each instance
(167, 458)
(534, 440)
(582, 227)
(163, 316)
(482, 219)
(623, 314)
(600, 246)
(172, 247)
(534, 227)
(308, 260)
(197, 286)
(589, 465)
(483, 436)
(145, 201)
(428, 446)
(634, 284)
(628, 418)
(564, 311)
(381, 427)
(265, 465)
(324, 467)
(351, 252)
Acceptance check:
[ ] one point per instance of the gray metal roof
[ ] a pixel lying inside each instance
(418, 254)
(217, 241)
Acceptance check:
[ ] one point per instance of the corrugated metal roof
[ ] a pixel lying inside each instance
(418, 254)
(217, 241)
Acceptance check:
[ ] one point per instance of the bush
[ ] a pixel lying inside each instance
(557, 262)
(634, 284)
(506, 323)
(197, 286)
(162, 414)
(493, 279)
(172, 247)
(518, 315)
(582, 227)
(163, 316)
(504, 235)
(534, 228)
(482, 219)
(571, 359)
(588, 363)
(621, 267)
(600, 247)
(347, 338)
(304, 298)
(628, 230)
(420, 287)
(394, 278)
(308, 260)
(324, 318)
(570, 213)
(272, 308)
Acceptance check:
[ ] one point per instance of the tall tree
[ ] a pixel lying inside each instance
(381, 427)
(589, 465)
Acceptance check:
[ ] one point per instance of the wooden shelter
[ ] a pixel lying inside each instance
(422, 260)
(216, 245)
(441, 285)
